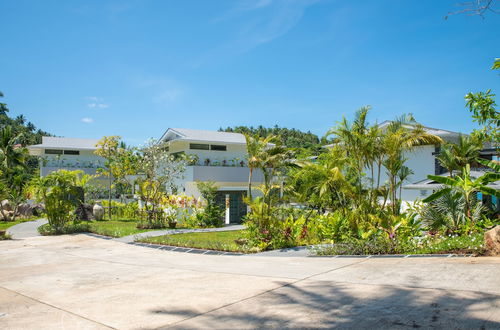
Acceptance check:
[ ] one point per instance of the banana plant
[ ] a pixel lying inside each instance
(467, 186)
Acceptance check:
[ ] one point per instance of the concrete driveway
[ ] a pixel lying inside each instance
(82, 282)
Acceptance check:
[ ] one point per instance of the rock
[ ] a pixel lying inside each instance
(25, 210)
(492, 241)
(85, 212)
(98, 211)
(38, 209)
(6, 205)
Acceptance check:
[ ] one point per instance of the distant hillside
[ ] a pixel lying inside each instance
(291, 137)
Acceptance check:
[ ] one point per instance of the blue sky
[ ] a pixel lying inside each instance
(135, 68)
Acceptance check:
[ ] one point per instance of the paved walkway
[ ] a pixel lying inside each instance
(81, 282)
(154, 233)
(26, 229)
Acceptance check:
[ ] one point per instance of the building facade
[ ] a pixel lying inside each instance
(220, 157)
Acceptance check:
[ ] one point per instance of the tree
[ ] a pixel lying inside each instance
(466, 186)
(160, 173)
(476, 7)
(60, 192)
(484, 112)
(213, 213)
(400, 136)
(255, 151)
(355, 139)
(108, 148)
(455, 156)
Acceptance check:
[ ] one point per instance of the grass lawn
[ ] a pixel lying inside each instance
(7, 224)
(119, 228)
(221, 240)
(116, 228)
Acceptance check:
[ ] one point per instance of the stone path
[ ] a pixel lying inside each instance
(26, 229)
(132, 238)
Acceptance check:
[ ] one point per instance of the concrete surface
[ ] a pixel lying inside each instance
(82, 282)
(26, 229)
(155, 233)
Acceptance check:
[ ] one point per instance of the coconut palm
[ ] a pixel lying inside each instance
(447, 159)
(256, 147)
(400, 136)
(466, 151)
(356, 139)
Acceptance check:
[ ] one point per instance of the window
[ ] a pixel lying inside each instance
(198, 146)
(71, 152)
(218, 147)
(53, 152)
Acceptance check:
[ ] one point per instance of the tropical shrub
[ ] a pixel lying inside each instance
(61, 194)
(213, 214)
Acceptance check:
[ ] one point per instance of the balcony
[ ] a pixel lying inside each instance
(222, 174)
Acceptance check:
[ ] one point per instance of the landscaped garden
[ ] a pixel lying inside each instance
(332, 198)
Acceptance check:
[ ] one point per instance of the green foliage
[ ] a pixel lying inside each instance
(61, 194)
(70, 227)
(482, 105)
(25, 133)
(292, 138)
(122, 210)
(213, 214)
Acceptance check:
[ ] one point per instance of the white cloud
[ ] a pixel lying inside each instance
(164, 91)
(257, 23)
(95, 102)
(87, 120)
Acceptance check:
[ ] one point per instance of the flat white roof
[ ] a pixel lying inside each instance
(197, 135)
(49, 142)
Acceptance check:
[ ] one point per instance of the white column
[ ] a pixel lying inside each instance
(227, 210)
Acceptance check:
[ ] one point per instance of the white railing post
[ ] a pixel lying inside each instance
(227, 210)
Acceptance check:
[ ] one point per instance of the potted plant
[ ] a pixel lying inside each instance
(207, 162)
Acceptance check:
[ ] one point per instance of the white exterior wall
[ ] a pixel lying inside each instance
(422, 162)
(86, 161)
(234, 154)
(230, 177)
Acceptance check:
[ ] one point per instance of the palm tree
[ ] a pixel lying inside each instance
(400, 136)
(466, 151)
(11, 154)
(355, 138)
(467, 186)
(447, 159)
(255, 149)
(403, 175)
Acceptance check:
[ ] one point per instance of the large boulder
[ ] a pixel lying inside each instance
(98, 211)
(25, 210)
(6, 206)
(38, 209)
(492, 241)
(84, 212)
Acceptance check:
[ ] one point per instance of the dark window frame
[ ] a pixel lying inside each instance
(199, 146)
(72, 152)
(53, 152)
(218, 147)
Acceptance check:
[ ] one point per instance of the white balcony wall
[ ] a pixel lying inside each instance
(234, 154)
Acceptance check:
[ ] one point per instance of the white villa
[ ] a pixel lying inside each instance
(57, 153)
(218, 156)
(422, 161)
